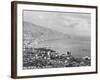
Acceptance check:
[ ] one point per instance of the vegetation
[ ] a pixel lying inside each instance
(36, 58)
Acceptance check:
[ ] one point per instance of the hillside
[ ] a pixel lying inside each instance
(38, 31)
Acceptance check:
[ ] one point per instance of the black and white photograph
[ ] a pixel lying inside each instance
(56, 39)
(53, 39)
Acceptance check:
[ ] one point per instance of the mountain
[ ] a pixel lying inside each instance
(38, 31)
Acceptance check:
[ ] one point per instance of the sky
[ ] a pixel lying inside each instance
(75, 24)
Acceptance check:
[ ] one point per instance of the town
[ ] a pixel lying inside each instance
(37, 58)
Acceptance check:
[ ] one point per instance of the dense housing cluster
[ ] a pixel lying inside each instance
(36, 58)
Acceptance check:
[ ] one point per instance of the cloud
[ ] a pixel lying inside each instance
(68, 23)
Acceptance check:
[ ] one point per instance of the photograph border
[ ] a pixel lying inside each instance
(14, 37)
